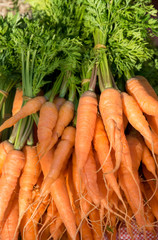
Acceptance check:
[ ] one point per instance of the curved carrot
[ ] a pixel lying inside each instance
(59, 101)
(32, 106)
(18, 100)
(101, 145)
(89, 174)
(137, 87)
(28, 179)
(60, 196)
(47, 121)
(153, 147)
(86, 119)
(97, 230)
(60, 159)
(11, 171)
(65, 116)
(45, 160)
(148, 161)
(5, 147)
(110, 106)
(11, 221)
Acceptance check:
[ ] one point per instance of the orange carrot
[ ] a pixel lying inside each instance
(10, 173)
(153, 122)
(110, 106)
(60, 196)
(132, 191)
(150, 218)
(152, 201)
(86, 119)
(18, 100)
(89, 175)
(32, 106)
(28, 179)
(96, 224)
(133, 113)
(5, 147)
(153, 146)
(11, 221)
(59, 101)
(137, 87)
(85, 204)
(148, 161)
(65, 116)
(101, 145)
(45, 160)
(47, 121)
(86, 232)
(61, 157)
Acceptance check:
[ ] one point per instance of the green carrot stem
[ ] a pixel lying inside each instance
(72, 92)
(93, 79)
(30, 140)
(56, 87)
(64, 86)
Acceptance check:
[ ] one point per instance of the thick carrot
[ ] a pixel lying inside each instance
(153, 122)
(97, 230)
(59, 101)
(86, 119)
(65, 116)
(47, 121)
(18, 100)
(45, 160)
(5, 147)
(28, 179)
(132, 191)
(110, 106)
(60, 196)
(137, 87)
(32, 106)
(101, 145)
(11, 171)
(133, 113)
(11, 221)
(60, 159)
(89, 175)
(85, 231)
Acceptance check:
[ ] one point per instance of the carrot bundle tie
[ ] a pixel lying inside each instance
(98, 46)
(27, 98)
(85, 80)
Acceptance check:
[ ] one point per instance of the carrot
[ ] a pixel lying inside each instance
(65, 116)
(110, 106)
(55, 226)
(137, 87)
(132, 191)
(85, 231)
(61, 157)
(153, 122)
(32, 106)
(133, 113)
(101, 145)
(28, 179)
(85, 204)
(60, 196)
(89, 175)
(86, 119)
(45, 160)
(150, 218)
(152, 201)
(47, 121)
(18, 100)
(10, 174)
(5, 147)
(59, 101)
(148, 161)
(96, 224)
(153, 146)
(125, 121)
(11, 221)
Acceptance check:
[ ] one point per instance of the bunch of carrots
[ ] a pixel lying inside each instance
(82, 182)
(79, 153)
